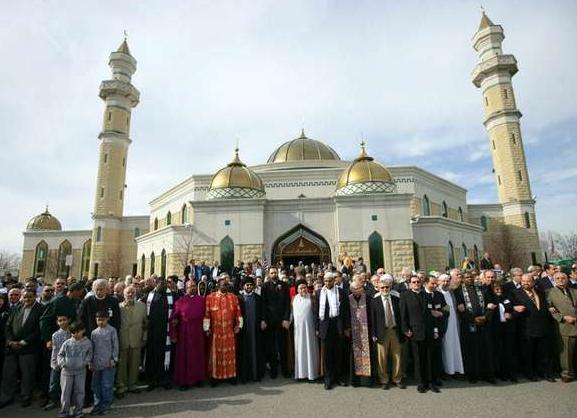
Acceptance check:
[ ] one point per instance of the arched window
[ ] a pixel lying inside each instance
(136, 232)
(184, 214)
(476, 255)
(527, 220)
(461, 216)
(163, 263)
(484, 223)
(227, 254)
(426, 206)
(168, 218)
(64, 251)
(40, 259)
(85, 263)
(155, 224)
(152, 262)
(465, 250)
(142, 266)
(376, 251)
(99, 234)
(451, 251)
(445, 213)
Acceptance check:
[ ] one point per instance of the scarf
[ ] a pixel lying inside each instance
(334, 303)
(467, 298)
(170, 301)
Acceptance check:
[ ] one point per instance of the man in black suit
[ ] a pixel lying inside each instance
(332, 317)
(530, 306)
(22, 349)
(515, 282)
(387, 334)
(418, 326)
(276, 307)
(547, 281)
(438, 310)
(250, 358)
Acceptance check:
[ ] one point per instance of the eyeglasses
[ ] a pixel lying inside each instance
(385, 287)
(415, 281)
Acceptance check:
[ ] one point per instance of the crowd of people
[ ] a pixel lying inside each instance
(77, 344)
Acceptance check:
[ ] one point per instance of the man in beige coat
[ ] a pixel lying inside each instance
(132, 339)
(563, 306)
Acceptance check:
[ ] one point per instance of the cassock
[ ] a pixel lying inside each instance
(452, 357)
(159, 304)
(276, 305)
(250, 354)
(221, 315)
(361, 348)
(475, 336)
(186, 328)
(305, 340)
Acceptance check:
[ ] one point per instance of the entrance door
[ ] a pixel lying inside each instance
(301, 244)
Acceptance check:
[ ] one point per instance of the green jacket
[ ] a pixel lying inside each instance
(564, 306)
(61, 305)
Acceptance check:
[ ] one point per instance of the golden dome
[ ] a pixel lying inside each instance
(301, 149)
(235, 180)
(364, 170)
(44, 222)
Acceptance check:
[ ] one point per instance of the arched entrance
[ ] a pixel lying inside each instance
(301, 244)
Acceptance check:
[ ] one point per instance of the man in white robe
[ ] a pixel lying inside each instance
(452, 357)
(305, 340)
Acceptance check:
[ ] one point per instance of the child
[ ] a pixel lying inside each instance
(58, 338)
(73, 357)
(105, 345)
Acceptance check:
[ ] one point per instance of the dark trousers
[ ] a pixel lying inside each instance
(332, 347)
(436, 359)
(44, 370)
(537, 356)
(14, 363)
(477, 351)
(504, 352)
(421, 351)
(276, 349)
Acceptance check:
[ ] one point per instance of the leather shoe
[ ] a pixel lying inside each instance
(6, 403)
(438, 383)
(421, 389)
(550, 379)
(328, 386)
(386, 386)
(401, 385)
(435, 389)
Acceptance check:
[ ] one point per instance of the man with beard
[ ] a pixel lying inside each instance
(474, 309)
(222, 321)
(333, 325)
(250, 358)
(276, 305)
(362, 361)
(452, 357)
(159, 306)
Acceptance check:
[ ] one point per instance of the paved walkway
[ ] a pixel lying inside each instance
(285, 398)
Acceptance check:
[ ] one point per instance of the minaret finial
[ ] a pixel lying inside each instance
(236, 159)
(46, 210)
(363, 153)
(125, 35)
(303, 133)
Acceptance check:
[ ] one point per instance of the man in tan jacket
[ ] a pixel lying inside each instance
(132, 339)
(563, 306)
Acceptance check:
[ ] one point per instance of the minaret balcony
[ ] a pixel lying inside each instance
(497, 63)
(121, 88)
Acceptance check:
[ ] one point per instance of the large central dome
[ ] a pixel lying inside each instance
(301, 149)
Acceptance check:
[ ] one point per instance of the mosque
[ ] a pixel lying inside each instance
(305, 203)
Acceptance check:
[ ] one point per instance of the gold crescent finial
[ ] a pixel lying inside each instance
(125, 35)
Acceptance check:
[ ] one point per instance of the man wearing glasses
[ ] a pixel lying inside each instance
(387, 334)
(417, 326)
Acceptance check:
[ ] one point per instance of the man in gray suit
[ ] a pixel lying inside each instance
(22, 349)
(563, 306)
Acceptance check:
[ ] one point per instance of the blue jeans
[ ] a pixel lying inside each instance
(103, 387)
(54, 386)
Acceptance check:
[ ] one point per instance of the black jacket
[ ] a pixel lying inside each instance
(414, 316)
(276, 302)
(378, 312)
(29, 332)
(534, 322)
(91, 305)
(343, 320)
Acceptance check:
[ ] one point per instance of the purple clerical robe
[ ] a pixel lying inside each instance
(186, 329)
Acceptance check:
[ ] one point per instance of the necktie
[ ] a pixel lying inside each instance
(389, 322)
(534, 299)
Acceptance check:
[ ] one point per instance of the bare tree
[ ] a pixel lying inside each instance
(505, 250)
(9, 262)
(562, 245)
(183, 249)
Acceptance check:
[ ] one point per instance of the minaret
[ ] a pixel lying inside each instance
(493, 74)
(120, 97)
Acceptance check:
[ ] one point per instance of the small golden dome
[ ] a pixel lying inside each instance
(365, 170)
(235, 180)
(301, 149)
(44, 222)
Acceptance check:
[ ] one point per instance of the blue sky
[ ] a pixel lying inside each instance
(210, 72)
